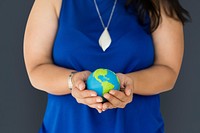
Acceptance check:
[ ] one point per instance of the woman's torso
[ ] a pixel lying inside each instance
(76, 47)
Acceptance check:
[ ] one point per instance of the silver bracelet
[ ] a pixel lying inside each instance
(70, 83)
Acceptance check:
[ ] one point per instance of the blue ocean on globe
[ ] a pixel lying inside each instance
(102, 81)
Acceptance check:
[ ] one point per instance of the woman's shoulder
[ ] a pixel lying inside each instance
(57, 6)
(52, 7)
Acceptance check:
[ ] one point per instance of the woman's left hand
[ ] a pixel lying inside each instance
(119, 99)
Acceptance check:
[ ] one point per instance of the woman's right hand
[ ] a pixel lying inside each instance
(82, 95)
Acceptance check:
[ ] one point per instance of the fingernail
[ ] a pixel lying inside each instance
(105, 95)
(99, 106)
(93, 94)
(129, 92)
(112, 92)
(99, 100)
(105, 108)
(81, 87)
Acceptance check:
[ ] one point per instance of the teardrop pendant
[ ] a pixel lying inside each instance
(105, 39)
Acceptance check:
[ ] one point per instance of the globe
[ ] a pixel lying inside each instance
(102, 81)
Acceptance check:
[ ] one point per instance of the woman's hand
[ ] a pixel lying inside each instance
(119, 99)
(82, 95)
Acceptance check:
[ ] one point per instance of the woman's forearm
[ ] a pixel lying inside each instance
(50, 78)
(153, 80)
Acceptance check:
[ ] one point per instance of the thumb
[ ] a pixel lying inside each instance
(85, 75)
(128, 91)
(80, 79)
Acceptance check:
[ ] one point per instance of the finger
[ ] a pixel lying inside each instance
(107, 105)
(126, 84)
(87, 93)
(92, 100)
(97, 106)
(118, 94)
(85, 75)
(80, 84)
(80, 78)
(128, 90)
(122, 96)
(113, 100)
(82, 94)
(121, 80)
(99, 110)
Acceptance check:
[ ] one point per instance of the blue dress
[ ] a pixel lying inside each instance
(76, 47)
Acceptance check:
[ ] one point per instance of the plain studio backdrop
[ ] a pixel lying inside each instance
(22, 107)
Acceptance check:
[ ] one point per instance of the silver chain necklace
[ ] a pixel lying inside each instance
(105, 39)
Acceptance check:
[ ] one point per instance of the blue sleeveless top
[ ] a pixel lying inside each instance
(76, 47)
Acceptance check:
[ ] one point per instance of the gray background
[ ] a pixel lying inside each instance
(22, 107)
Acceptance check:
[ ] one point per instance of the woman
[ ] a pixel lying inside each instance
(142, 41)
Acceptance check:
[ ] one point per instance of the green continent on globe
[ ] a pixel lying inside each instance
(100, 72)
(107, 86)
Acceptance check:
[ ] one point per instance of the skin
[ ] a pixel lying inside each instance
(46, 76)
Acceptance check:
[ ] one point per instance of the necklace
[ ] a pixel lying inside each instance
(105, 39)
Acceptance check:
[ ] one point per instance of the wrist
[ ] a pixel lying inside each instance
(70, 80)
(131, 77)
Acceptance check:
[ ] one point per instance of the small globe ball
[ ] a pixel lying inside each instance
(102, 81)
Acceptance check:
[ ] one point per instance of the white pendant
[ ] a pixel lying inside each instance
(105, 39)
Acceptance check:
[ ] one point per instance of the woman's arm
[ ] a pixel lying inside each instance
(169, 48)
(38, 41)
(44, 75)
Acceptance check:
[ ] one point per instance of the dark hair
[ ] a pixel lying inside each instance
(172, 8)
